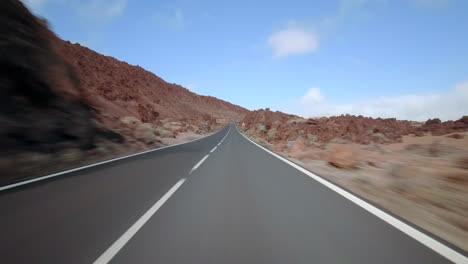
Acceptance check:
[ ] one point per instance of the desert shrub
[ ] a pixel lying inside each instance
(130, 121)
(145, 133)
(162, 132)
(272, 132)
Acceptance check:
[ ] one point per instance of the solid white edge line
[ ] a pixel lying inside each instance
(97, 164)
(199, 163)
(213, 149)
(120, 243)
(428, 241)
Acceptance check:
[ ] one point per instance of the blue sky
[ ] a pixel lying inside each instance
(389, 58)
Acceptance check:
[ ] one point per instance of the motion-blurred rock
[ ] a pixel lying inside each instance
(344, 156)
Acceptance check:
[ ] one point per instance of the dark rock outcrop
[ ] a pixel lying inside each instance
(42, 106)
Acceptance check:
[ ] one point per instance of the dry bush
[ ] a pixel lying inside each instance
(173, 126)
(145, 133)
(164, 133)
(130, 121)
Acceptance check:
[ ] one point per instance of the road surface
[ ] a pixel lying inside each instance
(220, 199)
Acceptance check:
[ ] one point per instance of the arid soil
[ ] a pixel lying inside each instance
(418, 171)
(64, 105)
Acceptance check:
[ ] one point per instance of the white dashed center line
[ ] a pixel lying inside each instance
(199, 163)
(120, 243)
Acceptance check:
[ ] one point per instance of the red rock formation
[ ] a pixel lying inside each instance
(345, 128)
(437, 128)
(117, 89)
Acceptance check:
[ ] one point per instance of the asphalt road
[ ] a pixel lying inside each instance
(240, 205)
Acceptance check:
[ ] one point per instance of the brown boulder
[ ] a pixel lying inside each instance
(344, 156)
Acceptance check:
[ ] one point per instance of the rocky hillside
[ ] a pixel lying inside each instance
(117, 89)
(139, 105)
(63, 105)
(280, 127)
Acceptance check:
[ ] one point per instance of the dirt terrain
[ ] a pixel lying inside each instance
(64, 105)
(418, 171)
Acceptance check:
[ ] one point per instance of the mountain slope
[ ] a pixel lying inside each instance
(117, 89)
(64, 105)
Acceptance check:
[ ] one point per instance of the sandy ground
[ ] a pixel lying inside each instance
(423, 179)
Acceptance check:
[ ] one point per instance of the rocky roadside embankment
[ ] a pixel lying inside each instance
(418, 171)
(64, 105)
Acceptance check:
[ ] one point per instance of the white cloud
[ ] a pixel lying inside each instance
(174, 21)
(313, 96)
(293, 41)
(450, 105)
